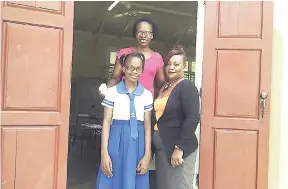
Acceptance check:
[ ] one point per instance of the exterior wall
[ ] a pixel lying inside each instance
(278, 153)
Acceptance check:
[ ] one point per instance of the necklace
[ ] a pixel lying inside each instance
(169, 84)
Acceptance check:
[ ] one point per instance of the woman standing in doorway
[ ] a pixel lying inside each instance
(144, 31)
(126, 141)
(177, 114)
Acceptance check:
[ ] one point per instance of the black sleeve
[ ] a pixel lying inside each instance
(189, 101)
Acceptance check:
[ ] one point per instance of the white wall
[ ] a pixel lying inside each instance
(278, 153)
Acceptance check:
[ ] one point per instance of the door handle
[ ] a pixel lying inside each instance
(263, 97)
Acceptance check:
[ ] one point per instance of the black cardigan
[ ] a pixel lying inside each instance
(180, 118)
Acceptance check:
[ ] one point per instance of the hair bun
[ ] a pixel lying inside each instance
(180, 48)
(176, 50)
(123, 59)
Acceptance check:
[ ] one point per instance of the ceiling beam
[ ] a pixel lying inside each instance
(183, 35)
(100, 27)
(130, 20)
(169, 11)
(168, 3)
(181, 28)
(117, 36)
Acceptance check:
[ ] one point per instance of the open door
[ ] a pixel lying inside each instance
(36, 55)
(236, 74)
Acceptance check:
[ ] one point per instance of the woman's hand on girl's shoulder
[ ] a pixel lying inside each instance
(103, 90)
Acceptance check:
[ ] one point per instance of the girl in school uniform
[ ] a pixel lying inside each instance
(126, 132)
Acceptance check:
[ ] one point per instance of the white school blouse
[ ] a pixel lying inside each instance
(121, 104)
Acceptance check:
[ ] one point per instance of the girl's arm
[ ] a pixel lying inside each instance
(108, 103)
(106, 163)
(106, 129)
(147, 127)
(143, 164)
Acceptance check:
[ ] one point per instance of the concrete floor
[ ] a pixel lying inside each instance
(82, 173)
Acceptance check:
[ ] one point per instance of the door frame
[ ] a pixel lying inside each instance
(1, 103)
(198, 72)
(278, 154)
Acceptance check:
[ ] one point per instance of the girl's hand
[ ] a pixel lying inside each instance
(143, 165)
(106, 164)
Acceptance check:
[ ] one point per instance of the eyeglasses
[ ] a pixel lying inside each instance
(144, 32)
(132, 69)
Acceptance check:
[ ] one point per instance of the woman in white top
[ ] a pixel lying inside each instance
(126, 134)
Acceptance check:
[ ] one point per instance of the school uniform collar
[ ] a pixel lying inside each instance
(121, 88)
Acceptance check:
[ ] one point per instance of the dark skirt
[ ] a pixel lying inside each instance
(168, 177)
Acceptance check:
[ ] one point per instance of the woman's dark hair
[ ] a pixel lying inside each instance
(123, 59)
(177, 50)
(149, 21)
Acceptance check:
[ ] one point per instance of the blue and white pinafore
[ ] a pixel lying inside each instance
(126, 145)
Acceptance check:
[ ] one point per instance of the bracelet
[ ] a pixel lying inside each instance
(176, 147)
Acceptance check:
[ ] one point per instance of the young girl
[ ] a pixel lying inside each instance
(126, 133)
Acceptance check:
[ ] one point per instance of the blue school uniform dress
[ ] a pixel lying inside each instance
(126, 145)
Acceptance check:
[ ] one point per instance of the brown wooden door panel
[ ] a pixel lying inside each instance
(33, 153)
(8, 156)
(36, 55)
(52, 6)
(236, 68)
(22, 3)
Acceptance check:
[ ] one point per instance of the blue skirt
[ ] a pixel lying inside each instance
(125, 154)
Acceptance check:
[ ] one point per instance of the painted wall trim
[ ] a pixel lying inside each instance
(198, 70)
(278, 143)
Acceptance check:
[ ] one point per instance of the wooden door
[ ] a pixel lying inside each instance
(236, 68)
(36, 55)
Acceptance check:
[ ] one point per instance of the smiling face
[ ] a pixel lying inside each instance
(175, 67)
(133, 69)
(144, 34)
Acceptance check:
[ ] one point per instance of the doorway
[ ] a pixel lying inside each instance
(37, 47)
(98, 35)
